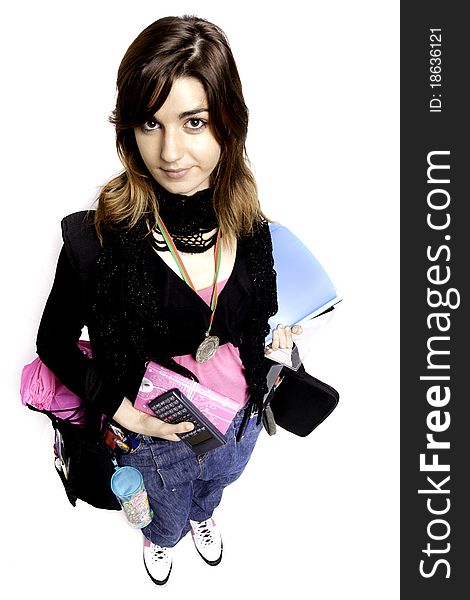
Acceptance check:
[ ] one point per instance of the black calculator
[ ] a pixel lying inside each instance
(174, 407)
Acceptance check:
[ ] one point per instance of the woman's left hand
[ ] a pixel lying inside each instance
(282, 337)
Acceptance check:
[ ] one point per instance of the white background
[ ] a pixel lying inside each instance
(315, 516)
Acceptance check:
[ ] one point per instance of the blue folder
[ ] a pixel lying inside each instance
(304, 289)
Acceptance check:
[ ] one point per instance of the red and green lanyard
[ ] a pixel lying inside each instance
(209, 345)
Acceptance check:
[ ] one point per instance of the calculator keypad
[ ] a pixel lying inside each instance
(171, 410)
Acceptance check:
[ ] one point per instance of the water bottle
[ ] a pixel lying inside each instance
(127, 484)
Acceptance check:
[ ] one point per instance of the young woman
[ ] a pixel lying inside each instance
(200, 307)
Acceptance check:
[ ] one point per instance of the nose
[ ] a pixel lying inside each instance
(171, 150)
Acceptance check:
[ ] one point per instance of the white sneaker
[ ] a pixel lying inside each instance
(157, 561)
(207, 540)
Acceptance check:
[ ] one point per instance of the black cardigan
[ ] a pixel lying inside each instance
(174, 319)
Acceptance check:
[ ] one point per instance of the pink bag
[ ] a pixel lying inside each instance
(41, 390)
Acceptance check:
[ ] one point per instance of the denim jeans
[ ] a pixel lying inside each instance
(183, 486)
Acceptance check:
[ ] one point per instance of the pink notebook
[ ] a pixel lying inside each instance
(220, 410)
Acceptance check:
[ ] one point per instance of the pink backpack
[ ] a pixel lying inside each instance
(41, 390)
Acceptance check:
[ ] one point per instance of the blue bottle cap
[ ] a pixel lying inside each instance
(126, 481)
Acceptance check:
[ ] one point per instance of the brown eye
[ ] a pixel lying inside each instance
(150, 125)
(196, 124)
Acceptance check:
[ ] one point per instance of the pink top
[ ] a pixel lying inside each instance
(224, 372)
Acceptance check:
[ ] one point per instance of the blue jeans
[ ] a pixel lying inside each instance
(182, 486)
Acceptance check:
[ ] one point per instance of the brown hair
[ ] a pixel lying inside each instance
(168, 49)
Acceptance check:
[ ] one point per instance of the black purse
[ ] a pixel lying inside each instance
(84, 462)
(298, 402)
(88, 464)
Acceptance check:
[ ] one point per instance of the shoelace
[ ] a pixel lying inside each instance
(159, 553)
(204, 532)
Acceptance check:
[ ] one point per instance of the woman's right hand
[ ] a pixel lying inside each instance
(139, 422)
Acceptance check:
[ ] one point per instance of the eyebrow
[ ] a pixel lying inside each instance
(194, 111)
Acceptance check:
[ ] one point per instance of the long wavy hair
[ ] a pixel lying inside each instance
(168, 49)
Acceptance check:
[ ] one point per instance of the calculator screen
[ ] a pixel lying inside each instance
(200, 437)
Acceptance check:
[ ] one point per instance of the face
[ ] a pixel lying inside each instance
(177, 145)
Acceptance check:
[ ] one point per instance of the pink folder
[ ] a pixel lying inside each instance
(219, 409)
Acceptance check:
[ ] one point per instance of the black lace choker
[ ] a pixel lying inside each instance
(189, 220)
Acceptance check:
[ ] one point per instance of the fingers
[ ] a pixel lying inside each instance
(172, 437)
(282, 338)
(168, 431)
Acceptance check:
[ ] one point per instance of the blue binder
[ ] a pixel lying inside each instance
(304, 289)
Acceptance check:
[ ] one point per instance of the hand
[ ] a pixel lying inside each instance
(282, 338)
(139, 422)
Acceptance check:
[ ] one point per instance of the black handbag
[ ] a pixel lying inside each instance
(90, 463)
(300, 402)
(84, 462)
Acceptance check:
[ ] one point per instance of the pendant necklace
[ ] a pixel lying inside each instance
(208, 347)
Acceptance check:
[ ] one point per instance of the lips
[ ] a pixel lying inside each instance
(176, 173)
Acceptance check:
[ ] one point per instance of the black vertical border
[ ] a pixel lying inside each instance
(422, 132)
